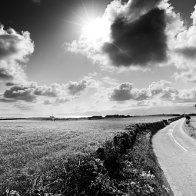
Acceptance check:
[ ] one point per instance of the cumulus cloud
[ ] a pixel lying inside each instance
(140, 42)
(10, 84)
(5, 75)
(157, 87)
(60, 100)
(126, 92)
(141, 34)
(57, 101)
(136, 35)
(184, 46)
(14, 51)
(142, 6)
(31, 91)
(20, 93)
(123, 92)
(184, 51)
(188, 75)
(189, 52)
(161, 91)
(14, 45)
(54, 90)
(75, 88)
(187, 95)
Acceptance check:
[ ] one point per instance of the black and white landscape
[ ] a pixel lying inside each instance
(97, 97)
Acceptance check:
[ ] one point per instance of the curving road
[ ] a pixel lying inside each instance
(176, 153)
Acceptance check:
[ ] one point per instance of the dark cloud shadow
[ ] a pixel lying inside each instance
(140, 42)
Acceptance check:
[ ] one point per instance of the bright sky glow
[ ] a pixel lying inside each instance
(95, 30)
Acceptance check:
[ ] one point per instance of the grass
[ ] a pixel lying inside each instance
(190, 127)
(125, 165)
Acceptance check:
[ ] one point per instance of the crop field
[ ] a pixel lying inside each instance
(29, 147)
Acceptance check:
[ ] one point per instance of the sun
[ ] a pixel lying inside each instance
(95, 29)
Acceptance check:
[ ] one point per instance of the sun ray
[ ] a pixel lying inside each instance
(92, 4)
(78, 16)
(72, 22)
(84, 7)
(121, 49)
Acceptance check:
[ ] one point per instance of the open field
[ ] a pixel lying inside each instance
(29, 147)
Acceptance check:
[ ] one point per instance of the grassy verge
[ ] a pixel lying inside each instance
(189, 129)
(125, 166)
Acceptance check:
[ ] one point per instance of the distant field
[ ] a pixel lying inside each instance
(27, 146)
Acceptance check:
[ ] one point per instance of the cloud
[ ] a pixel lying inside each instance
(193, 16)
(60, 100)
(184, 55)
(53, 90)
(47, 102)
(136, 35)
(187, 95)
(140, 42)
(157, 92)
(157, 87)
(75, 88)
(184, 49)
(31, 91)
(126, 92)
(20, 93)
(14, 51)
(188, 75)
(141, 5)
(5, 75)
(3, 100)
(10, 84)
(57, 101)
(141, 34)
(122, 93)
(14, 45)
(189, 52)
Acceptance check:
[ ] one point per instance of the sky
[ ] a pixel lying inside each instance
(97, 57)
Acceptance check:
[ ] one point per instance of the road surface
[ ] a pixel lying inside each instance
(176, 153)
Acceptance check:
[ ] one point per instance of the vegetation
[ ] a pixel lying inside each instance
(125, 165)
(188, 118)
(189, 127)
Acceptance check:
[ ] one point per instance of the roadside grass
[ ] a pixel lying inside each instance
(125, 165)
(190, 127)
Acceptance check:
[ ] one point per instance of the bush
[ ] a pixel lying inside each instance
(187, 117)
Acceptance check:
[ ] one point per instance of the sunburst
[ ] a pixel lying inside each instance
(92, 27)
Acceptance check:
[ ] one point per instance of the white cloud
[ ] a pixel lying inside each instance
(75, 88)
(159, 93)
(183, 50)
(187, 75)
(178, 50)
(193, 16)
(31, 92)
(14, 51)
(111, 49)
